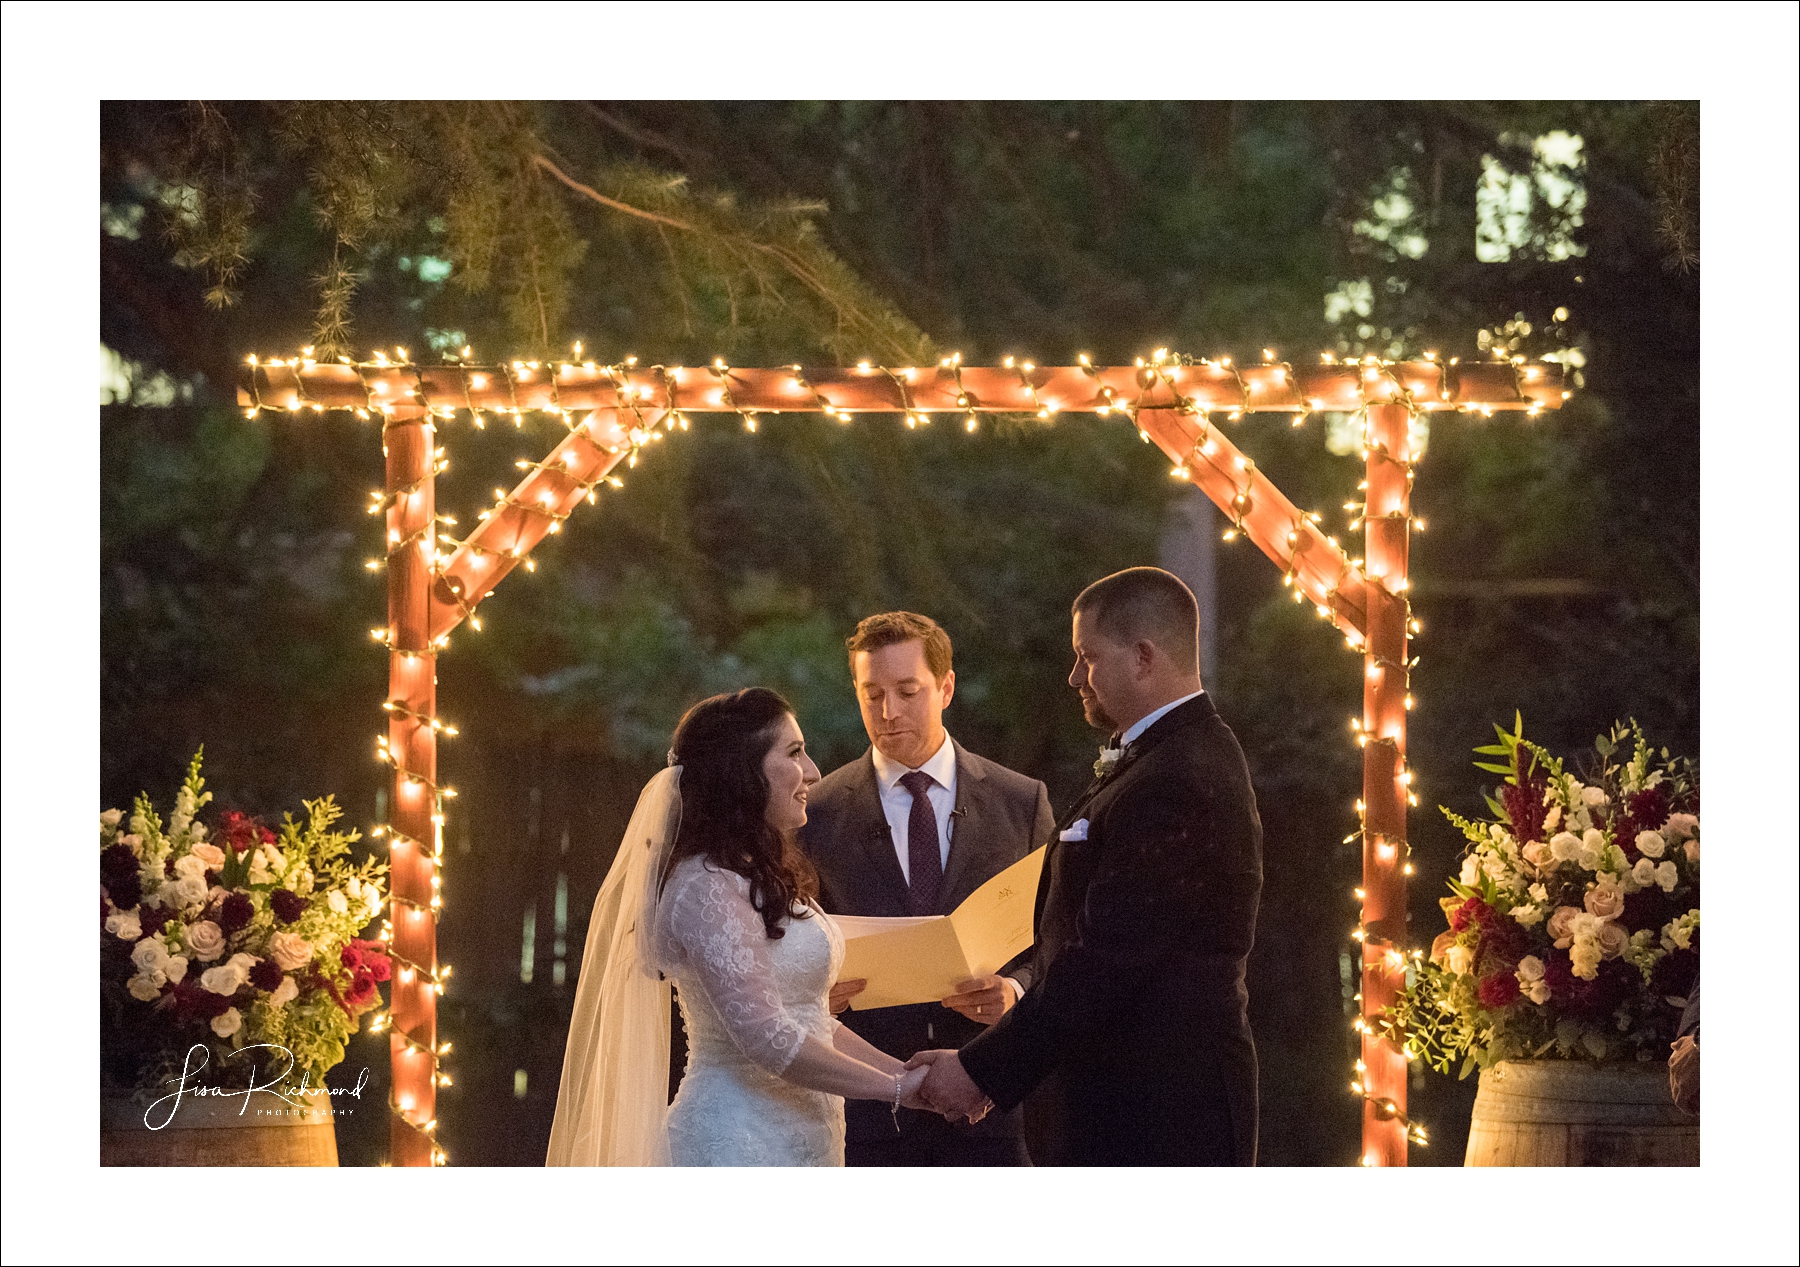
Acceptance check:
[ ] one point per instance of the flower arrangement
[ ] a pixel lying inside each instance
(1575, 920)
(240, 937)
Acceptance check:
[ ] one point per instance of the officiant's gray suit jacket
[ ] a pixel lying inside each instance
(1000, 817)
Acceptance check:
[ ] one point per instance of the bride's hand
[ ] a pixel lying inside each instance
(911, 1083)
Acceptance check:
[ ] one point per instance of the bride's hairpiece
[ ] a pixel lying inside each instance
(672, 760)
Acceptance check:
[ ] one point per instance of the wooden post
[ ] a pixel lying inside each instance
(1388, 526)
(408, 442)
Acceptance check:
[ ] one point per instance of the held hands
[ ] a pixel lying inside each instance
(981, 999)
(910, 1083)
(947, 1089)
(843, 991)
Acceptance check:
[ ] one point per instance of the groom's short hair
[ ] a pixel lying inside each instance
(1146, 603)
(889, 628)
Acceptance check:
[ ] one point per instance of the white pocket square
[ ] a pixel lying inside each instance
(1075, 831)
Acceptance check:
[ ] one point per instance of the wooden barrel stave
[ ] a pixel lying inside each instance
(1570, 1113)
(216, 1132)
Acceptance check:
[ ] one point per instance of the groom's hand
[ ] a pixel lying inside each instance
(948, 1088)
(843, 991)
(982, 999)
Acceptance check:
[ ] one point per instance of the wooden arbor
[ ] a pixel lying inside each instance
(435, 582)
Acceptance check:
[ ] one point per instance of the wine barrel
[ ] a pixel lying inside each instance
(216, 1131)
(1571, 1113)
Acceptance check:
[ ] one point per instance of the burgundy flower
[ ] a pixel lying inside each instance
(1675, 973)
(1498, 990)
(1473, 911)
(235, 911)
(125, 891)
(362, 991)
(266, 975)
(119, 873)
(375, 960)
(195, 1000)
(351, 956)
(240, 832)
(265, 835)
(1649, 908)
(287, 905)
(151, 919)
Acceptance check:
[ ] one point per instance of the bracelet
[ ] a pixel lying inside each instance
(895, 1111)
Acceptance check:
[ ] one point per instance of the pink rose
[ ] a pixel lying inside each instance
(1613, 939)
(211, 855)
(205, 939)
(1558, 927)
(1605, 901)
(1680, 827)
(290, 950)
(1537, 853)
(1692, 849)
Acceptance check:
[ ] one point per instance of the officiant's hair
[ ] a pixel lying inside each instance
(1146, 603)
(720, 744)
(890, 628)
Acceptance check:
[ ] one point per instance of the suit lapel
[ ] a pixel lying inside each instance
(968, 845)
(873, 841)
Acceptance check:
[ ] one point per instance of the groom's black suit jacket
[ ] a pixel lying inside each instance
(1000, 817)
(1133, 1045)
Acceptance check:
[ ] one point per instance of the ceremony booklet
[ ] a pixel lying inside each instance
(921, 958)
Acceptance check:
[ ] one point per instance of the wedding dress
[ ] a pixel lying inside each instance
(749, 1002)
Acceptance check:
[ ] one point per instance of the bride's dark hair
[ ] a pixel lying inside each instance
(720, 745)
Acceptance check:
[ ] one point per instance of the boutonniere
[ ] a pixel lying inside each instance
(1108, 762)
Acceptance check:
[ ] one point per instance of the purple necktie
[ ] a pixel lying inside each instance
(925, 865)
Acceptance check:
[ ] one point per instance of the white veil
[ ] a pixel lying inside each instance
(612, 1107)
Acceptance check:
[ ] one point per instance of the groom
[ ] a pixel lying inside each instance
(912, 827)
(1132, 1047)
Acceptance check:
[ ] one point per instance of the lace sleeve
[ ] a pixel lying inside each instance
(720, 936)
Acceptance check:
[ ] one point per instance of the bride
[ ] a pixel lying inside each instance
(709, 890)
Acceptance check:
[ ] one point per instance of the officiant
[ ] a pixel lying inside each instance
(912, 827)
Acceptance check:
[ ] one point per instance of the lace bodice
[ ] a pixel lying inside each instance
(748, 1002)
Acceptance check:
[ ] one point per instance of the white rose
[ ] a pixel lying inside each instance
(1650, 844)
(204, 940)
(1527, 915)
(183, 890)
(1666, 876)
(1565, 846)
(1593, 848)
(225, 979)
(1531, 968)
(1680, 827)
(1540, 895)
(176, 968)
(189, 865)
(243, 963)
(1538, 992)
(1592, 797)
(1458, 959)
(284, 992)
(146, 986)
(110, 817)
(227, 1025)
(211, 855)
(335, 900)
(149, 955)
(125, 925)
(1644, 873)
(290, 950)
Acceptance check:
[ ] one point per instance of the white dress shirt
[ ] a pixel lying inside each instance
(1150, 719)
(896, 804)
(896, 801)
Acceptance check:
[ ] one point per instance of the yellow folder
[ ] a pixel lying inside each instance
(920, 959)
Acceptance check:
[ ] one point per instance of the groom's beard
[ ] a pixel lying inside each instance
(1097, 716)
